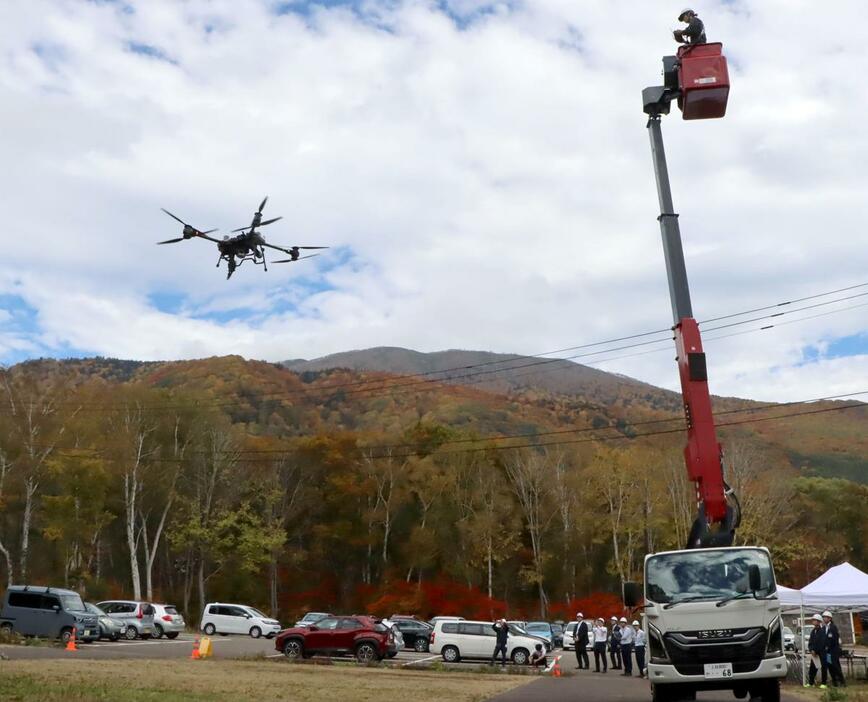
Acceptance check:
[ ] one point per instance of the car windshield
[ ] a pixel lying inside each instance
(516, 629)
(72, 603)
(539, 627)
(705, 575)
(313, 616)
(93, 609)
(558, 629)
(256, 613)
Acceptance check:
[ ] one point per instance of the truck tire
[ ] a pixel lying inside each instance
(770, 692)
(660, 693)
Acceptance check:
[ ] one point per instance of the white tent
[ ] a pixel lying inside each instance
(843, 587)
(789, 597)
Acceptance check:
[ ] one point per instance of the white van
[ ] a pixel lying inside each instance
(225, 619)
(455, 640)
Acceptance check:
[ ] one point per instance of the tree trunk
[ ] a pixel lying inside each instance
(30, 487)
(10, 574)
(272, 584)
(490, 567)
(130, 491)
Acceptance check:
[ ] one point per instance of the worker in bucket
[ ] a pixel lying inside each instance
(694, 32)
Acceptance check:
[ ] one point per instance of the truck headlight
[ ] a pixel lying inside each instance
(775, 646)
(656, 649)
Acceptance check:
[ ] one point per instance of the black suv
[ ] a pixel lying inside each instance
(415, 633)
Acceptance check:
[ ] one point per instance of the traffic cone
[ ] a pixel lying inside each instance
(556, 670)
(70, 645)
(195, 655)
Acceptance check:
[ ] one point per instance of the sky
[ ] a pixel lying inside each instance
(481, 172)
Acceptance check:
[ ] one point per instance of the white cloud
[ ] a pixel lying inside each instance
(492, 183)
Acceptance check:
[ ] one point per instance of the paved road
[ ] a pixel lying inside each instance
(612, 687)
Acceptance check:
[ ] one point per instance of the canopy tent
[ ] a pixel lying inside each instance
(843, 587)
(789, 597)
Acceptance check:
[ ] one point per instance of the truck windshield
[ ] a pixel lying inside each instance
(705, 575)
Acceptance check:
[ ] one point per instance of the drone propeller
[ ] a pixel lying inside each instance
(293, 260)
(170, 241)
(262, 205)
(261, 224)
(189, 230)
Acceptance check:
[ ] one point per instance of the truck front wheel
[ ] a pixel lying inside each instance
(660, 693)
(770, 692)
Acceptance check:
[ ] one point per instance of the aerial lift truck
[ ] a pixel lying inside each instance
(711, 613)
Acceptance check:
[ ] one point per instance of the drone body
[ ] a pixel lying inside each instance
(248, 245)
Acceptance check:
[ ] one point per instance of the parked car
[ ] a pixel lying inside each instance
(558, 634)
(543, 629)
(454, 640)
(167, 621)
(366, 638)
(47, 611)
(109, 627)
(138, 617)
(415, 633)
(399, 637)
(569, 634)
(312, 617)
(789, 639)
(518, 629)
(223, 619)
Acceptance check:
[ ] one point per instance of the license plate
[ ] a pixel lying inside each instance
(717, 670)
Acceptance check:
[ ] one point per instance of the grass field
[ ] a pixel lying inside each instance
(177, 681)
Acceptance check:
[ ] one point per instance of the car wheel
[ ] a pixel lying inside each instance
(420, 645)
(209, 629)
(293, 649)
(113, 637)
(158, 631)
(172, 635)
(255, 632)
(65, 636)
(520, 656)
(130, 634)
(450, 654)
(366, 653)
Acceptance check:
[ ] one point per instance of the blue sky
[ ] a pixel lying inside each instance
(482, 184)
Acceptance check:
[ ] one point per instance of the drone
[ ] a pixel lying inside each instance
(249, 245)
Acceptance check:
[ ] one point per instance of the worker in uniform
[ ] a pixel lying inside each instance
(694, 32)
(601, 635)
(833, 650)
(501, 630)
(817, 649)
(615, 643)
(627, 638)
(639, 647)
(581, 637)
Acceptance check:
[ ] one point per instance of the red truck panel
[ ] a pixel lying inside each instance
(704, 81)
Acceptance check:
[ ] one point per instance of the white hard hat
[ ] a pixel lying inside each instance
(613, 618)
(635, 623)
(580, 616)
(623, 619)
(817, 618)
(827, 613)
(684, 12)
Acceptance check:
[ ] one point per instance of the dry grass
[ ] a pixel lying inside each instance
(218, 680)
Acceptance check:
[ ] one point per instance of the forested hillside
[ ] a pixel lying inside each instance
(358, 489)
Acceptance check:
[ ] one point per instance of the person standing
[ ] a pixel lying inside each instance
(601, 634)
(816, 647)
(501, 630)
(627, 638)
(639, 647)
(615, 643)
(833, 650)
(584, 663)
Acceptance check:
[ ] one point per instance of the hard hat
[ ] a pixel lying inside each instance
(684, 12)
(635, 623)
(613, 619)
(580, 616)
(817, 618)
(827, 613)
(623, 619)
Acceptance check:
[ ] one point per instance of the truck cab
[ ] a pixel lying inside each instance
(712, 622)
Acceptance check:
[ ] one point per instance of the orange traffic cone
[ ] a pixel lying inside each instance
(195, 655)
(70, 644)
(556, 670)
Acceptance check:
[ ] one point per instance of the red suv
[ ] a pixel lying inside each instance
(365, 637)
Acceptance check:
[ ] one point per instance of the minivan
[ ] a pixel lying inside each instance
(455, 640)
(225, 619)
(138, 616)
(47, 611)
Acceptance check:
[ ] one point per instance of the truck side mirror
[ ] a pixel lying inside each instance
(632, 594)
(754, 578)
(56, 608)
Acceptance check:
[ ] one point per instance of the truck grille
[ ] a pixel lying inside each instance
(689, 651)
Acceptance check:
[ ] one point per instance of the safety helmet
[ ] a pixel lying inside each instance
(623, 619)
(827, 613)
(817, 618)
(580, 616)
(613, 618)
(635, 623)
(684, 12)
